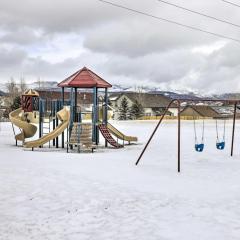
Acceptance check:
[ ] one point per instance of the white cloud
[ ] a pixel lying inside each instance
(52, 39)
(209, 49)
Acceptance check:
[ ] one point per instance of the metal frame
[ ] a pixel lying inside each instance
(179, 101)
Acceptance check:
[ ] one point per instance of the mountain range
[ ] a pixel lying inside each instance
(52, 85)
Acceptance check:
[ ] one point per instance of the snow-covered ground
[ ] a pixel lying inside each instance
(49, 194)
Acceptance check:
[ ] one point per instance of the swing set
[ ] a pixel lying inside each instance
(199, 145)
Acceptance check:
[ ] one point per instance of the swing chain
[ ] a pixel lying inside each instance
(224, 131)
(195, 131)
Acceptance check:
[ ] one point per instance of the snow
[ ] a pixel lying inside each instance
(49, 194)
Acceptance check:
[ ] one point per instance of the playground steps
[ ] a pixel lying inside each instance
(107, 135)
(81, 136)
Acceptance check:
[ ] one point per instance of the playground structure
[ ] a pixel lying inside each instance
(25, 116)
(64, 116)
(28, 130)
(55, 116)
(199, 146)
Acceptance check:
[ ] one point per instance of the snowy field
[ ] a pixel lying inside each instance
(51, 195)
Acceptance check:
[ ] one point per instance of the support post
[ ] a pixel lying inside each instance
(105, 117)
(54, 119)
(94, 122)
(97, 117)
(57, 121)
(40, 118)
(233, 129)
(179, 136)
(63, 106)
(75, 105)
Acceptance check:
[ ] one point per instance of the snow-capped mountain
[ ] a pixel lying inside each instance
(116, 88)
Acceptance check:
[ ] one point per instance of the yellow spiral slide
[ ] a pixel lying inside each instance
(28, 130)
(64, 116)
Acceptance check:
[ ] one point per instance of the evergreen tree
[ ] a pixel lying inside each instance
(16, 103)
(136, 110)
(124, 111)
(6, 113)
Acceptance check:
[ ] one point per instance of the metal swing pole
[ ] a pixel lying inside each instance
(233, 129)
(14, 133)
(156, 128)
(179, 136)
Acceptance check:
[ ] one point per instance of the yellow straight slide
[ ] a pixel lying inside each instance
(28, 130)
(120, 135)
(64, 116)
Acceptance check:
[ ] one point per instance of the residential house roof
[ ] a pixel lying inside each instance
(147, 100)
(200, 111)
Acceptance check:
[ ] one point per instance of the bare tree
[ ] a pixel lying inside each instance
(12, 90)
(139, 91)
(22, 85)
(40, 83)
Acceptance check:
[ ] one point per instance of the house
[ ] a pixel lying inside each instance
(227, 111)
(52, 94)
(84, 98)
(153, 104)
(200, 111)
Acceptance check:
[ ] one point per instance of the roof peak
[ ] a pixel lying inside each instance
(84, 78)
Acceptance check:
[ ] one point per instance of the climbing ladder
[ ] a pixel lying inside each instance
(107, 135)
(46, 124)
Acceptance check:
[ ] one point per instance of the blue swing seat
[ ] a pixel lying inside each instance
(220, 145)
(199, 147)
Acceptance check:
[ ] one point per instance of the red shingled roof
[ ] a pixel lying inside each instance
(84, 78)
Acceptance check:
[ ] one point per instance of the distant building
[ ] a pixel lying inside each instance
(200, 111)
(227, 111)
(153, 104)
(85, 99)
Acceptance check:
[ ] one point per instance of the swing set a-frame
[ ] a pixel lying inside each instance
(220, 144)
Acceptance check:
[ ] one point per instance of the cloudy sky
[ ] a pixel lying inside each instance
(52, 39)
